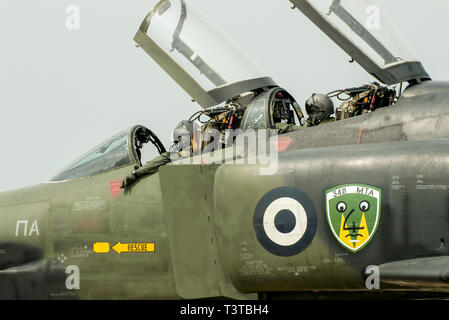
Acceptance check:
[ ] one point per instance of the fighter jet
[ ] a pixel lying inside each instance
(353, 207)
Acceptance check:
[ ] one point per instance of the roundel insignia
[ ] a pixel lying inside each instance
(285, 221)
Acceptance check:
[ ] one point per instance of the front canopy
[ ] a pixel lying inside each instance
(122, 150)
(205, 62)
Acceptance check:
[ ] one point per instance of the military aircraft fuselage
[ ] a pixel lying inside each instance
(360, 192)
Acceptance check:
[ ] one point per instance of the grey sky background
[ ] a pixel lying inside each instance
(62, 92)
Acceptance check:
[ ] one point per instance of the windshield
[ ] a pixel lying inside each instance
(194, 45)
(110, 155)
(256, 116)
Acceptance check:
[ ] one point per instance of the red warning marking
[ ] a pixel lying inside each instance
(282, 143)
(90, 224)
(115, 187)
(360, 135)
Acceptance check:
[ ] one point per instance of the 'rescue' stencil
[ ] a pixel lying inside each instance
(353, 213)
(285, 221)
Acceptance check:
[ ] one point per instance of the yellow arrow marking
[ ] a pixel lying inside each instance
(133, 247)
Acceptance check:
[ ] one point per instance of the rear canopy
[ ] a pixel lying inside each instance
(363, 29)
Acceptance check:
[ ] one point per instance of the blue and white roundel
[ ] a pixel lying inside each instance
(285, 221)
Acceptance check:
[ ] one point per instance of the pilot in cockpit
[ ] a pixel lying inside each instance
(320, 109)
(283, 113)
(182, 146)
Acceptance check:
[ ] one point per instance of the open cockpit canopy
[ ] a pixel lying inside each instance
(364, 30)
(205, 62)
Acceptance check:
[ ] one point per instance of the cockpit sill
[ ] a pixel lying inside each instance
(356, 130)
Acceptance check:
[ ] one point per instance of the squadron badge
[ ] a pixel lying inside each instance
(353, 213)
